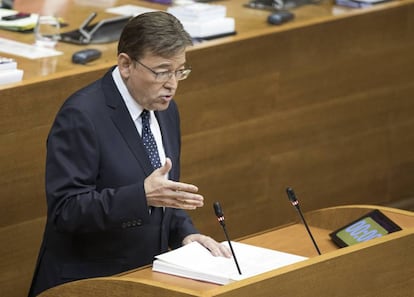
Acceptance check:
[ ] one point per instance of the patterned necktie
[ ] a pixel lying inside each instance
(149, 140)
(152, 151)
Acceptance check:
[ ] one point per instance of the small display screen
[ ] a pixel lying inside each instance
(372, 225)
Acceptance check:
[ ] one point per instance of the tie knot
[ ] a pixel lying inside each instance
(145, 115)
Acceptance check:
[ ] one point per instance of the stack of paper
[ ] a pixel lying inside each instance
(9, 72)
(203, 20)
(196, 262)
(129, 9)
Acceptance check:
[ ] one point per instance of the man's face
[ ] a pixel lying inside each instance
(141, 81)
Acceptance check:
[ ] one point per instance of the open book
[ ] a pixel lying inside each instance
(196, 262)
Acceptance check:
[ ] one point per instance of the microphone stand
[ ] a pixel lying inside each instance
(295, 203)
(220, 218)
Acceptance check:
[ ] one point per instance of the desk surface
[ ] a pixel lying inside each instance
(290, 238)
(249, 22)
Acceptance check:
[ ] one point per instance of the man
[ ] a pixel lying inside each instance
(111, 207)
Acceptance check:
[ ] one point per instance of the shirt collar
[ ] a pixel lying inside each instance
(134, 108)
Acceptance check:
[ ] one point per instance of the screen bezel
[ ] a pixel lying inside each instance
(376, 215)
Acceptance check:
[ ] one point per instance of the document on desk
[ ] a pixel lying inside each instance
(26, 50)
(196, 262)
(129, 9)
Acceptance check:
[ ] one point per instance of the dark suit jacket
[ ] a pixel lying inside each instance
(98, 221)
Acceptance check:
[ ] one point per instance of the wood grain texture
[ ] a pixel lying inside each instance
(324, 108)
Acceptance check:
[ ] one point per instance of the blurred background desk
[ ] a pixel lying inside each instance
(323, 104)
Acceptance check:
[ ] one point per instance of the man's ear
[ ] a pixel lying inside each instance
(124, 64)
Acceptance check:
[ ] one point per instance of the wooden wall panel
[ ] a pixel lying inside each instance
(18, 256)
(326, 109)
(336, 153)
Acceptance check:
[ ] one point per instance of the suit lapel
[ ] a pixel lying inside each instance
(125, 125)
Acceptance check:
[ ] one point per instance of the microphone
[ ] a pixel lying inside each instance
(295, 203)
(220, 218)
(280, 17)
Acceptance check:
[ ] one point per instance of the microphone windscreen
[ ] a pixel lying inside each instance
(291, 194)
(280, 17)
(217, 209)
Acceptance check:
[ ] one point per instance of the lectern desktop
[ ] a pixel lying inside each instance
(379, 267)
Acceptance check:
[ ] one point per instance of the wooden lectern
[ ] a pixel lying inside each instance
(379, 267)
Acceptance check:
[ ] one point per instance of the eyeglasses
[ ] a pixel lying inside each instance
(165, 76)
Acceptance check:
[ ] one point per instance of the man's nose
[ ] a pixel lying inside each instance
(172, 82)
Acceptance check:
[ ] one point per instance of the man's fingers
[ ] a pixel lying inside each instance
(191, 203)
(187, 197)
(215, 248)
(183, 187)
(163, 192)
